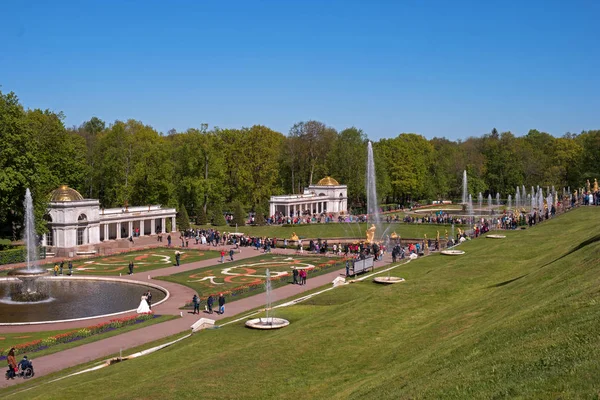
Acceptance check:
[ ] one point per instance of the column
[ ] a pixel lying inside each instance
(173, 224)
(130, 228)
(153, 226)
(163, 226)
(106, 231)
(118, 230)
(287, 210)
(271, 209)
(142, 227)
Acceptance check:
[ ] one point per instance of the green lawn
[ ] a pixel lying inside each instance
(342, 230)
(512, 318)
(250, 273)
(8, 340)
(144, 260)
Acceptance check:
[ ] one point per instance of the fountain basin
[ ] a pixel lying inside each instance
(76, 298)
(267, 323)
(452, 252)
(495, 236)
(387, 280)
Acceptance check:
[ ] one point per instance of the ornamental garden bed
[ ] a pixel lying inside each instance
(37, 344)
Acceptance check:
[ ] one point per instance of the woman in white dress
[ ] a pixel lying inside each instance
(143, 308)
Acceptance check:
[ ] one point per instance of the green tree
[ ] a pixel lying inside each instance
(347, 163)
(239, 215)
(218, 219)
(183, 220)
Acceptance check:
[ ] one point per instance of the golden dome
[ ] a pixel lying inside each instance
(65, 193)
(328, 181)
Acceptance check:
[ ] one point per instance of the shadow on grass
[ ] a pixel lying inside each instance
(580, 246)
(506, 282)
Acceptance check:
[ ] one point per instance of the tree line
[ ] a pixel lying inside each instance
(209, 171)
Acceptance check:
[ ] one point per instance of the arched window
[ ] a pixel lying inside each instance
(341, 194)
(47, 218)
(322, 194)
(82, 218)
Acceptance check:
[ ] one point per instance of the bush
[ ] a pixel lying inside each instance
(201, 218)
(239, 216)
(12, 256)
(183, 220)
(218, 219)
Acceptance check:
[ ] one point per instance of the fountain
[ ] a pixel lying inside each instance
(509, 203)
(479, 202)
(372, 200)
(498, 201)
(490, 204)
(465, 191)
(28, 296)
(269, 322)
(29, 288)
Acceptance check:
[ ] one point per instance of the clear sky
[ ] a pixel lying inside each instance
(439, 68)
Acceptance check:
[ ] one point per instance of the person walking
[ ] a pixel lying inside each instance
(222, 256)
(55, 269)
(196, 302)
(70, 267)
(149, 299)
(177, 258)
(221, 304)
(12, 363)
(303, 276)
(209, 303)
(130, 267)
(295, 275)
(62, 264)
(231, 254)
(169, 241)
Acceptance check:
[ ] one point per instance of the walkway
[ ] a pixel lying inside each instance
(180, 295)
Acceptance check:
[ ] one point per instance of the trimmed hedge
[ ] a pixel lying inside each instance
(13, 256)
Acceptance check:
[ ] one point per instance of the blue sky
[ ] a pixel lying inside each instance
(439, 68)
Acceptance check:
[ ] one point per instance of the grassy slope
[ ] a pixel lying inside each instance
(513, 318)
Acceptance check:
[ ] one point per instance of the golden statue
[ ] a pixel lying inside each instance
(595, 185)
(371, 233)
(294, 237)
(587, 185)
(394, 235)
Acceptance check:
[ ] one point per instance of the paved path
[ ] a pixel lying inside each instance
(180, 295)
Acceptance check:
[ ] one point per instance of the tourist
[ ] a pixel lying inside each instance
(209, 303)
(221, 304)
(55, 269)
(12, 363)
(149, 299)
(168, 241)
(70, 267)
(62, 264)
(24, 363)
(303, 277)
(130, 267)
(347, 267)
(295, 275)
(196, 302)
(231, 254)
(222, 256)
(177, 258)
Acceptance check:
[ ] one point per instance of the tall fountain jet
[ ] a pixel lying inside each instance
(465, 190)
(372, 199)
(29, 290)
(30, 237)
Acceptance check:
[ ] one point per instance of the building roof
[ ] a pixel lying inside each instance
(327, 181)
(65, 193)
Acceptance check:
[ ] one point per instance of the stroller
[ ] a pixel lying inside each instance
(24, 373)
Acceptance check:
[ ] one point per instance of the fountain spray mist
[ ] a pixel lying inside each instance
(372, 200)
(30, 237)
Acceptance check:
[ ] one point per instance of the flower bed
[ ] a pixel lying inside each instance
(78, 334)
(230, 295)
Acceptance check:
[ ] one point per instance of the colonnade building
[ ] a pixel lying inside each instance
(74, 222)
(327, 196)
